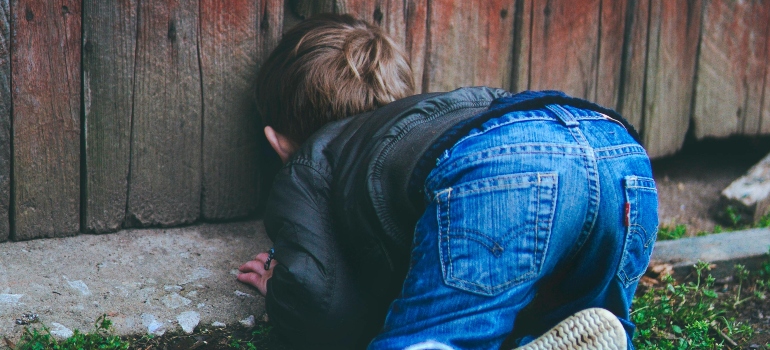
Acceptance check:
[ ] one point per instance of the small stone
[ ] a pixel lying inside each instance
(153, 326)
(172, 288)
(188, 320)
(248, 322)
(10, 298)
(242, 294)
(175, 300)
(59, 331)
(192, 294)
(79, 286)
(218, 324)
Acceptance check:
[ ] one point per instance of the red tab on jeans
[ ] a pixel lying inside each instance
(627, 214)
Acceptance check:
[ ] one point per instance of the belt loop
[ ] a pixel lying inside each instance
(564, 115)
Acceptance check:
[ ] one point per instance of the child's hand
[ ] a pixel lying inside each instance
(254, 274)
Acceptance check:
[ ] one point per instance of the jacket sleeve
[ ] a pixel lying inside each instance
(311, 298)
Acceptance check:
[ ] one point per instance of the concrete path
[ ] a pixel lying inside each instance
(146, 280)
(156, 280)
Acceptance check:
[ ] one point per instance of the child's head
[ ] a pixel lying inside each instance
(327, 68)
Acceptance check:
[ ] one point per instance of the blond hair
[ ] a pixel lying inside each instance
(327, 68)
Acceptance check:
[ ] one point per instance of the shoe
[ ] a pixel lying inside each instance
(588, 329)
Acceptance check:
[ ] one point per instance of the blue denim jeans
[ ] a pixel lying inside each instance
(532, 217)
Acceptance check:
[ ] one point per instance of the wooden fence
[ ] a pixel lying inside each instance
(138, 113)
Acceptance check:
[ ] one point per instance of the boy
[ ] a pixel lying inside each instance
(458, 218)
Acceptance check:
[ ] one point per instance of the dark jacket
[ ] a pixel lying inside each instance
(342, 210)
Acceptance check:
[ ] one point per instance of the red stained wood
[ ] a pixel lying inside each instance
(469, 43)
(733, 57)
(165, 173)
(5, 118)
(565, 41)
(46, 121)
(522, 41)
(634, 62)
(236, 37)
(109, 45)
(415, 39)
(611, 41)
(672, 51)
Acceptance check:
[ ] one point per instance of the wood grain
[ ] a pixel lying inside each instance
(469, 43)
(5, 118)
(634, 62)
(236, 37)
(45, 64)
(165, 173)
(611, 43)
(672, 51)
(565, 41)
(732, 60)
(109, 45)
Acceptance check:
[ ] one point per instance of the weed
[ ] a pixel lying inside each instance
(732, 214)
(680, 316)
(100, 338)
(669, 233)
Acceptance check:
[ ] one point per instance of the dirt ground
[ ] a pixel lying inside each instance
(690, 182)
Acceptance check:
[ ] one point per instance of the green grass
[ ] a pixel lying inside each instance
(690, 315)
(100, 338)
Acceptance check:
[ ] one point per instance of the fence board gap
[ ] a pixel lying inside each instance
(165, 173)
(46, 118)
(109, 45)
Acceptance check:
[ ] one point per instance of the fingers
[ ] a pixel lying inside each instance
(254, 274)
(257, 265)
(251, 279)
(253, 266)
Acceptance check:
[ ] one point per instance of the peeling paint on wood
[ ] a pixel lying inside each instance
(45, 64)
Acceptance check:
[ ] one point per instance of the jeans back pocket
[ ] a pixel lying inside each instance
(494, 232)
(641, 221)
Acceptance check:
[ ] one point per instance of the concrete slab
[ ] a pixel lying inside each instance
(748, 197)
(146, 280)
(724, 250)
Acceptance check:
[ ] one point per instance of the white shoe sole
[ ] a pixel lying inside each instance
(588, 329)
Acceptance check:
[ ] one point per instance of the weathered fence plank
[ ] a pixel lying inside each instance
(672, 51)
(634, 62)
(5, 118)
(109, 44)
(611, 40)
(732, 56)
(45, 64)
(564, 46)
(416, 39)
(469, 43)
(230, 58)
(165, 173)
